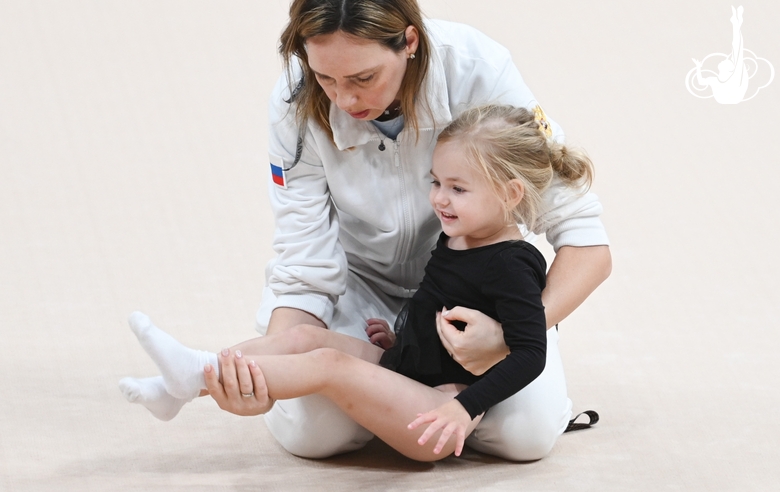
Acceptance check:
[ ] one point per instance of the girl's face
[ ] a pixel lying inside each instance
(361, 76)
(472, 214)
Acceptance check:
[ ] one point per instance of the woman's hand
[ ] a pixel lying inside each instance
(480, 346)
(451, 418)
(379, 333)
(243, 390)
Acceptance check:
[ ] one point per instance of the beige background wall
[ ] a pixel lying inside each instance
(132, 176)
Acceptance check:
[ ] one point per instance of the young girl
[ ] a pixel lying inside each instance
(490, 167)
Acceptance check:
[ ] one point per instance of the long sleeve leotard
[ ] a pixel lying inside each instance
(503, 280)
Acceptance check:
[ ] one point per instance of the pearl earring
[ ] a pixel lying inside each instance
(411, 57)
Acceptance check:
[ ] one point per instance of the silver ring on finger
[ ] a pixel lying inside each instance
(248, 395)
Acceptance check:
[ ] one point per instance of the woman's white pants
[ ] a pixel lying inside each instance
(521, 428)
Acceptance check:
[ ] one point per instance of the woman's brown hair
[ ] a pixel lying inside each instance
(383, 21)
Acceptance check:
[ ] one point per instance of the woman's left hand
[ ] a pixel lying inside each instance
(243, 390)
(479, 347)
(451, 418)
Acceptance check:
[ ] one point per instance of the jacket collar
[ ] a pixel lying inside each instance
(349, 132)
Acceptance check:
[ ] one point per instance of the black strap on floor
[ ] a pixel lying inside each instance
(593, 419)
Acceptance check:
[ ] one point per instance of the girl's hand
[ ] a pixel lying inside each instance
(452, 418)
(480, 346)
(379, 333)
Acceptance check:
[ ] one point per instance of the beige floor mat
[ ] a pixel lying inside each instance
(132, 176)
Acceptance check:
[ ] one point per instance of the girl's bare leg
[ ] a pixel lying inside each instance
(380, 400)
(345, 372)
(182, 367)
(305, 338)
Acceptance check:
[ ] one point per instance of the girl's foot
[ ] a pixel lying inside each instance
(181, 367)
(150, 392)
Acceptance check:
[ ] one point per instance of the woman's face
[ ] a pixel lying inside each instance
(361, 76)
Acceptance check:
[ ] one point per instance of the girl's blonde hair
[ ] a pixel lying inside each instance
(383, 21)
(507, 143)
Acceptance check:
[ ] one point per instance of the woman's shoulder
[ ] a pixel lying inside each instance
(460, 37)
(284, 91)
(475, 68)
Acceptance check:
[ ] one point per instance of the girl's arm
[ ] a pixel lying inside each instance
(574, 275)
(513, 280)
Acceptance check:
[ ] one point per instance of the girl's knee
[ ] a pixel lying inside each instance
(327, 353)
(304, 338)
(335, 364)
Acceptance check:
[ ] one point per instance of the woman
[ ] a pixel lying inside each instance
(353, 124)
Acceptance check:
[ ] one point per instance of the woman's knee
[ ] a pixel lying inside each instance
(533, 445)
(517, 435)
(529, 443)
(313, 427)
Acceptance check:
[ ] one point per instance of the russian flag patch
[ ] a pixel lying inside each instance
(277, 174)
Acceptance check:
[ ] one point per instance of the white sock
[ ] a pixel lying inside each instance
(150, 392)
(181, 367)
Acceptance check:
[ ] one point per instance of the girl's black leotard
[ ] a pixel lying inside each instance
(504, 281)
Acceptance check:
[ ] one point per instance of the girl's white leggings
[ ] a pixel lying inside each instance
(521, 428)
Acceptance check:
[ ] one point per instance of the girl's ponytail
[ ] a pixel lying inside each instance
(573, 166)
(507, 143)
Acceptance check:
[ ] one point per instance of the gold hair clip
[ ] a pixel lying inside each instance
(541, 120)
